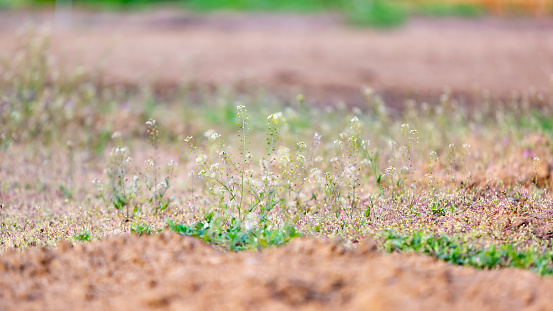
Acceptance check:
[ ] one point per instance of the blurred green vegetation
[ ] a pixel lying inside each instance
(380, 13)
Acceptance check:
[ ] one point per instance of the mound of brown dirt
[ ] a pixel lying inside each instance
(169, 271)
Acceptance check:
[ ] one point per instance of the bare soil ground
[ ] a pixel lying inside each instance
(168, 271)
(318, 55)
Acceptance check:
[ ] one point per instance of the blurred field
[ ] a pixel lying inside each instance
(379, 13)
(250, 130)
(318, 56)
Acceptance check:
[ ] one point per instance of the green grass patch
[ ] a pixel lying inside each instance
(143, 229)
(236, 236)
(84, 236)
(440, 9)
(375, 13)
(458, 252)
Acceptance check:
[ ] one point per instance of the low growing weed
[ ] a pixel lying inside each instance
(84, 236)
(258, 177)
(235, 235)
(456, 251)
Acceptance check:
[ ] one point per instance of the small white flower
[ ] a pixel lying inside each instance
(201, 158)
(214, 166)
(275, 117)
(316, 139)
(211, 134)
(116, 135)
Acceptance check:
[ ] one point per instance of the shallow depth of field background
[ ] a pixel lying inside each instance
(404, 127)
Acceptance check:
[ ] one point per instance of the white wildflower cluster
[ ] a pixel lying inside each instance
(172, 163)
(201, 159)
(211, 134)
(302, 145)
(350, 172)
(116, 135)
(316, 139)
(284, 155)
(161, 186)
(201, 174)
(151, 123)
(118, 151)
(354, 120)
(275, 117)
(365, 144)
(390, 170)
(215, 167)
(189, 139)
(99, 185)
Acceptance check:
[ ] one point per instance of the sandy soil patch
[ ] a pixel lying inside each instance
(172, 272)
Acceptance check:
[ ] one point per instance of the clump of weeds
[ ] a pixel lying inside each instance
(469, 186)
